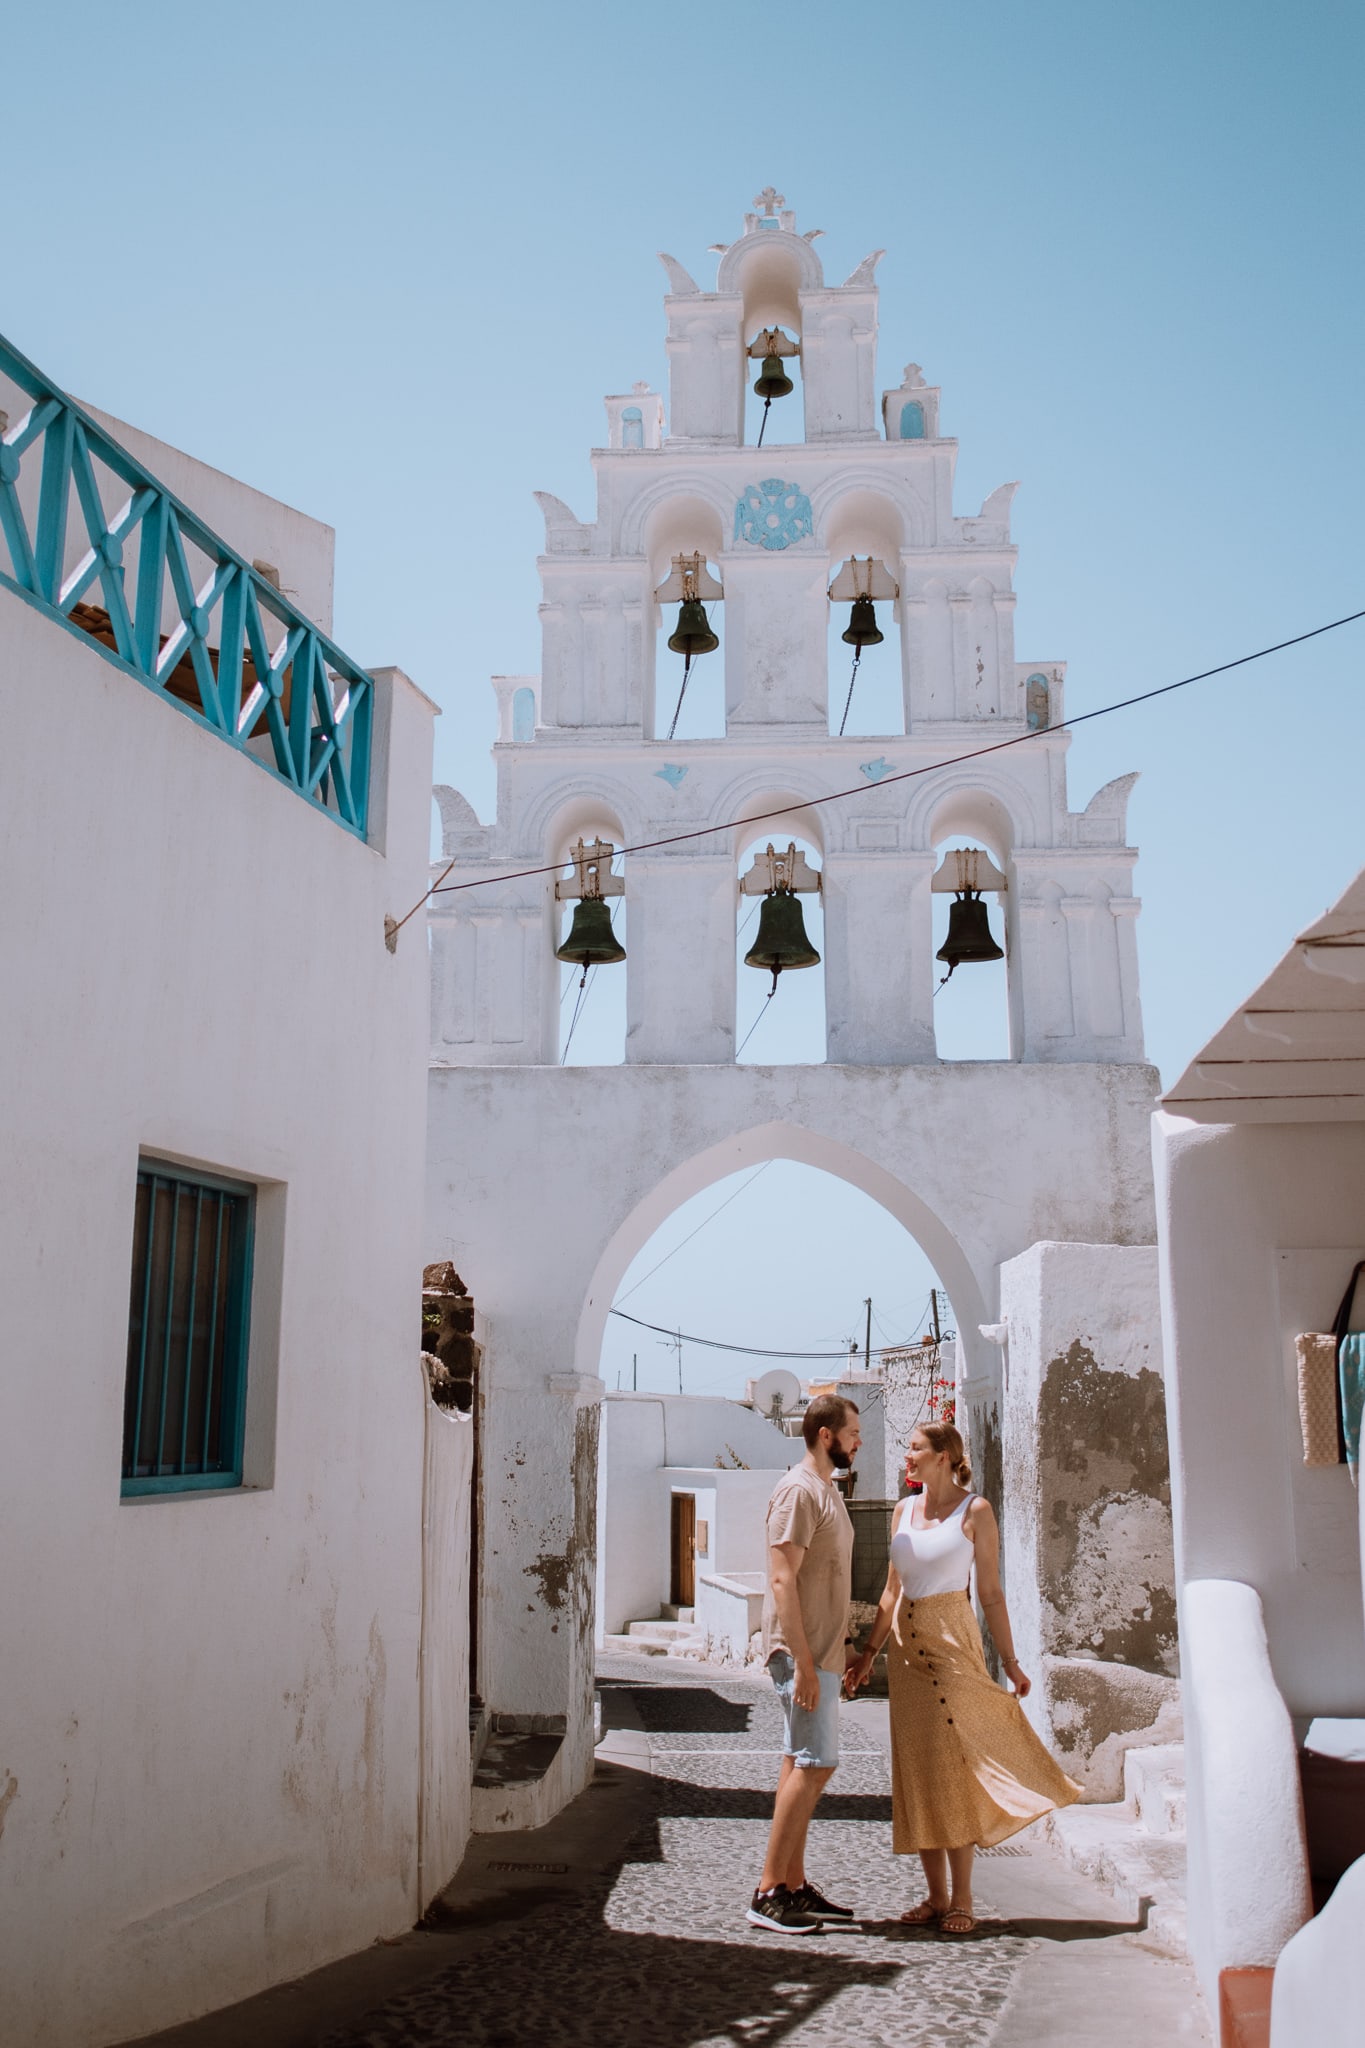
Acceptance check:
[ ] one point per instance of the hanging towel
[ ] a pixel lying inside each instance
(1317, 1356)
(1351, 1378)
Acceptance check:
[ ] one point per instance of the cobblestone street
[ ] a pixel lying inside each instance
(654, 1947)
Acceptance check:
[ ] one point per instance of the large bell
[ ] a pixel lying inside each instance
(862, 629)
(772, 380)
(591, 941)
(693, 635)
(969, 933)
(781, 940)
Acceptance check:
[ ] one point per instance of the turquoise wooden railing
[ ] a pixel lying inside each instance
(163, 597)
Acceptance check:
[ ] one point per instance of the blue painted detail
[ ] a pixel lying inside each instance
(1037, 703)
(523, 714)
(632, 427)
(912, 420)
(188, 1327)
(874, 770)
(671, 775)
(773, 514)
(272, 686)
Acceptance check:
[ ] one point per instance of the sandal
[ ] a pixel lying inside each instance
(922, 1915)
(957, 1922)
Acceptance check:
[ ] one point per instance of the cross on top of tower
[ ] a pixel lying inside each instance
(769, 200)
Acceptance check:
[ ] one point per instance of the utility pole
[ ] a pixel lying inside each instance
(867, 1342)
(634, 1372)
(933, 1303)
(679, 1340)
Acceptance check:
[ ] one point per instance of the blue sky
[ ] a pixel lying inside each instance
(384, 261)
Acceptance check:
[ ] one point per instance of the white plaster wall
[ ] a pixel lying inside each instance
(1256, 1234)
(1319, 1990)
(444, 1810)
(1257, 1243)
(653, 1445)
(213, 1725)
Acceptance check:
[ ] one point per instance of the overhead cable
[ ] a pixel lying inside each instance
(443, 888)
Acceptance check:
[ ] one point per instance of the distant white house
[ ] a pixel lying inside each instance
(216, 1771)
(683, 1485)
(1260, 1152)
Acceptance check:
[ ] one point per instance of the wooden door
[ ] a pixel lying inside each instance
(684, 1549)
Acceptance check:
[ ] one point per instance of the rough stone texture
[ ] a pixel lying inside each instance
(1097, 1712)
(1089, 1560)
(1105, 1554)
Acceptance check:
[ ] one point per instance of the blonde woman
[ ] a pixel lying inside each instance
(966, 1768)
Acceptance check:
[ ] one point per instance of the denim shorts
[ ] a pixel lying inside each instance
(812, 1736)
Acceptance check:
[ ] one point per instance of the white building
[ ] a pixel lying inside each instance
(544, 1181)
(682, 1492)
(212, 1762)
(1261, 1177)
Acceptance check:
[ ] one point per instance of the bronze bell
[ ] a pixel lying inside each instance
(862, 629)
(772, 380)
(693, 635)
(591, 941)
(969, 933)
(781, 940)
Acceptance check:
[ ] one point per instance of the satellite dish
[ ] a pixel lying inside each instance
(777, 1385)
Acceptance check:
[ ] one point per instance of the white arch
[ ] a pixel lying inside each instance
(777, 1140)
(938, 796)
(557, 807)
(793, 252)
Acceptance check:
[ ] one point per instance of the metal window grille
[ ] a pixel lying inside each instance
(185, 1397)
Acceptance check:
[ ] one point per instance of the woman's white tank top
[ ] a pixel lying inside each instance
(937, 1559)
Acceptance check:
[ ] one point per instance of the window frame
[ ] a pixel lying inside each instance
(228, 1477)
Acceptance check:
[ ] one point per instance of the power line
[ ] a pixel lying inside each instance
(751, 1350)
(732, 1197)
(443, 888)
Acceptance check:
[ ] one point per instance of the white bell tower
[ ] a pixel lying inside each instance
(546, 1179)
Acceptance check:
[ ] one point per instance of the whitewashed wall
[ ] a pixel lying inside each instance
(212, 1726)
(1259, 1229)
(653, 1445)
(444, 1813)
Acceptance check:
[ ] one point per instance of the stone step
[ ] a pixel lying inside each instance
(634, 1646)
(1154, 1787)
(661, 1631)
(1145, 1873)
(670, 1613)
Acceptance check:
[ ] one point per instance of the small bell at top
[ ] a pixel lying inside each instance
(693, 635)
(772, 380)
(862, 629)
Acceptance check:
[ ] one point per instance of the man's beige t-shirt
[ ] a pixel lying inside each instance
(808, 1510)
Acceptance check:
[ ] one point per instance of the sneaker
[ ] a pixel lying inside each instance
(812, 1901)
(783, 1911)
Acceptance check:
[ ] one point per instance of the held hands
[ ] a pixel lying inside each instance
(857, 1671)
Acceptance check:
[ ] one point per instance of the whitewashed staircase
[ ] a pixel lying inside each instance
(673, 1634)
(1136, 1849)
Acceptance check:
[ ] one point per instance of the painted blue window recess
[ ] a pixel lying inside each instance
(632, 427)
(912, 420)
(523, 715)
(1037, 704)
(188, 1324)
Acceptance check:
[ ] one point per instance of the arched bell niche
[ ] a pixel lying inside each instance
(974, 1008)
(685, 526)
(783, 1025)
(771, 274)
(864, 536)
(591, 1009)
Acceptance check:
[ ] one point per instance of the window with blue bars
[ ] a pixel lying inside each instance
(189, 1312)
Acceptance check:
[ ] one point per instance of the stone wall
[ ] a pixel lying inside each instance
(1085, 1480)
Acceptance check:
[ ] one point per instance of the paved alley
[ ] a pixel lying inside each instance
(622, 1922)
